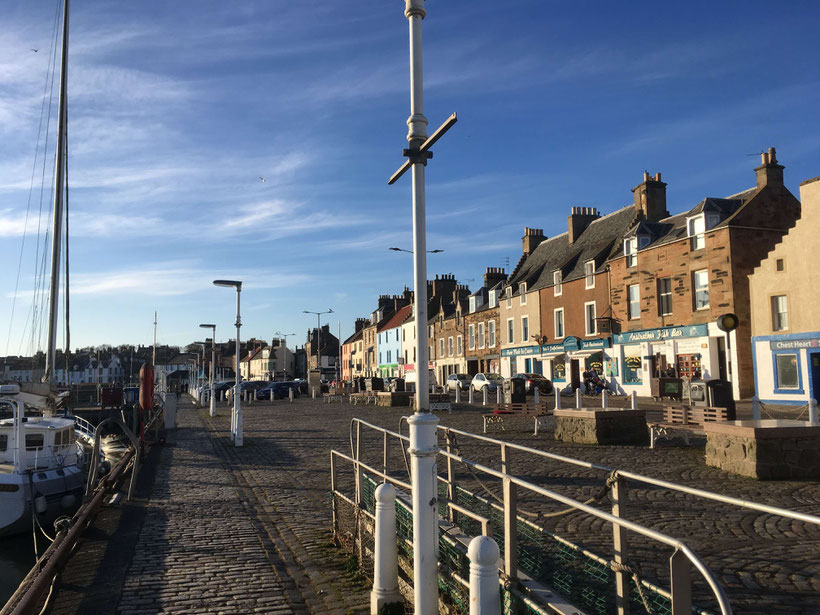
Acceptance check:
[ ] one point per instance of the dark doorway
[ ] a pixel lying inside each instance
(814, 367)
(574, 374)
(722, 371)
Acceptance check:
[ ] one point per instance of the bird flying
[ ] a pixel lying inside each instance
(35, 50)
(262, 178)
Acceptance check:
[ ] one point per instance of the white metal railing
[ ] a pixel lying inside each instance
(680, 562)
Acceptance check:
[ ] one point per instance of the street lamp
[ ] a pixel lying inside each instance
(319, 342)
(213, 360)
(284, 353)
(236, 416)
(411, 251)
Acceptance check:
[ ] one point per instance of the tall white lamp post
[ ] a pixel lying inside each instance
(213, 360)
(423, 437)
(319, 341)
(236, 417)
(284, 353)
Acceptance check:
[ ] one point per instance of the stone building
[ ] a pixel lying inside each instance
(449, 331)
(483, 345)
(784, 293)
(677, 274)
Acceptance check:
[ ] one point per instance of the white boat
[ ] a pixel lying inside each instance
(41, 475)
(40, 467)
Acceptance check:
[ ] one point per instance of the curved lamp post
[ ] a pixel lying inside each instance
(236, 416)
(411, 251)
(213, 360)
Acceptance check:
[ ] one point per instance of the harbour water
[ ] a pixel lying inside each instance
(16, 559)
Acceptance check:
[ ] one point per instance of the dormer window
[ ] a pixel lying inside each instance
(696, 228)
(472, 304)
(522, 290)
(631, 251)
(589, 274)
(556, 283)
(509, 292)
(493, 298)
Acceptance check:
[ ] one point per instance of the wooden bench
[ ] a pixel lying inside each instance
(538, 412)
(684, 420)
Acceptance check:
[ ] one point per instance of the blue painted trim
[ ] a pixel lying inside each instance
(785, 402)
(777, 390)
(754, 367)
(813, 393)
(788, 336)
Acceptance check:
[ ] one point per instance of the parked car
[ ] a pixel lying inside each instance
(458, 381)
(543, 384)
(279, 390)
(248, 385)
(490, 381)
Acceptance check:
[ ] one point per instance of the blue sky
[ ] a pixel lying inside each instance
(176, 109)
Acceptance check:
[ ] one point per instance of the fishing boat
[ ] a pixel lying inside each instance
(41, 463)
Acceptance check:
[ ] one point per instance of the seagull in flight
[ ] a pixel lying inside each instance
(261, 178)
(35, 50)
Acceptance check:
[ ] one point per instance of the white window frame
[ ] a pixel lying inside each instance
(491, 334)
(559, 333)
(696, 288)
(525, 329)
(441, 347)
(432, 332)
(450, 346)
(459, 345)
(589, 274)
(482, 327)
(557, 280)
(587, 320)
(697, 237)
(511, 330)
(509, 297)
(633, 314)
(493, 298)
(472, 303)
(522, 291)
(661, 295)
(780, 318)
(471, 337)
(631, 251)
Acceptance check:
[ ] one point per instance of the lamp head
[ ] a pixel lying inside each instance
(395, 249)
(208, 326)
(436, 251)
(229, 283)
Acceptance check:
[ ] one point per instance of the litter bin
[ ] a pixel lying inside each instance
(720, 395)
(374, 384)
(515, 391)
(397, 385)
(671, 388)
(697, 393)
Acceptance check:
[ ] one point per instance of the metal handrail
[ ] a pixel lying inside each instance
(709, 495)
(678, 545)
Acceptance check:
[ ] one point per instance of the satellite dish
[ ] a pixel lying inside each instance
(728, 322)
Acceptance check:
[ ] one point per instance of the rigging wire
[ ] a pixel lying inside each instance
(52, 50)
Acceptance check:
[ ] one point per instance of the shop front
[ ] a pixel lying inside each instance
(787, 367)
(562, 363)
(693, 352)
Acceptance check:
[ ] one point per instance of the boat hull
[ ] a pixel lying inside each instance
(53, 484)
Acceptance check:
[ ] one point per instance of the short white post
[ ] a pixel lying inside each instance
(536, 397)
(484, 394)
(485, 590)
(557, 392)
(604, 399)
(458, 394)
(313, 392)
(385, 556)
(498, 394)
(756, 408)
(290, 395)
(578, 397)
(634, 397)
(813, 412)
(470, 397)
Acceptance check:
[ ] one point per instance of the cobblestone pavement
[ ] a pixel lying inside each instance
(244, 530)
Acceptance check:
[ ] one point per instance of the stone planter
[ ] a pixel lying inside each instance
(767, 450)
(601, 426)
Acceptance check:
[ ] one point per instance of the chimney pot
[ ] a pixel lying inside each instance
(646, 176)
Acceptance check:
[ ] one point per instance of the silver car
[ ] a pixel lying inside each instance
(490, 381)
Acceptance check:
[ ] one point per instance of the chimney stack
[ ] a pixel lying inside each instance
(579, 220)
(361, 323)
(443, 286)
(769, 173)
(650, 198)
(493, 276)
(532, 237)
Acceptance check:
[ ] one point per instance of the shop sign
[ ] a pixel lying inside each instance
(654, 335)
(570, 344)
(794, 344)
(599, 343)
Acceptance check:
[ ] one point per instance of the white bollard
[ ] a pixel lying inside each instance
(290, 395)
(604, 399)
(557, 392)
(813, 412)
(485, 590)
(634, 403)
(313, 392)
(536, 396)
(756, 408)
(485, 395)
(385, 556)
(470, 397)
(578, 397)
(458, 394)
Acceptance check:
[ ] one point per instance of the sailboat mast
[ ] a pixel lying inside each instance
(57, 220)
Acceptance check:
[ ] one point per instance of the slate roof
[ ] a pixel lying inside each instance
(398, 318)
(354, 338)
